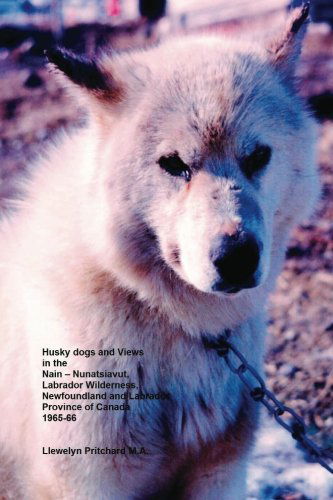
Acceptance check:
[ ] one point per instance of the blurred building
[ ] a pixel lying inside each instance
(69, 12)
(180, 14)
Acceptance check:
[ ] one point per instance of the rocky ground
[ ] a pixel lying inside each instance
(300, 349)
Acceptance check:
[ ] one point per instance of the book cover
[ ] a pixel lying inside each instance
(155, 167)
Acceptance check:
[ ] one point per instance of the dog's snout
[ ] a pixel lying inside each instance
(238, 262)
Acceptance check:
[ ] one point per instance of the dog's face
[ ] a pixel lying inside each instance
(208, 150)
(219, 155)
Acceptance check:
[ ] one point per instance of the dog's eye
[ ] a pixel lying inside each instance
(256, 160)
(174, 165)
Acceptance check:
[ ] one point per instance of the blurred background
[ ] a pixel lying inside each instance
(33, 108)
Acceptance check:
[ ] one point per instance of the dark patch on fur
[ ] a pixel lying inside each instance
(239, 100)
(175, 256)
(166, 433)
(79, 69)
(167, 493)
(202, 402)
(125, 411)
(140, 373)
(194, 111)
(215, 194)
(304, 14)
(195, 126)
(213, 137)
(237, 80)
(184, 419)
(132, 437)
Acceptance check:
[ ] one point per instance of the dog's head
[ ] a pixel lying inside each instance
(203, 157)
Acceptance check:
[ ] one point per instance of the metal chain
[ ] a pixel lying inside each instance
(259, 392)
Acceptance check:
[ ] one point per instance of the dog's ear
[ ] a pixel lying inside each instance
(85, 73)
(284, 51)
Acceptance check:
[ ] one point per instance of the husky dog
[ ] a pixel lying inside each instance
(162, 222)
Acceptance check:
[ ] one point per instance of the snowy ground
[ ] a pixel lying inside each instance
(280, 471)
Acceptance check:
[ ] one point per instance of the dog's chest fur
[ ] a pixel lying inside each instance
(203, 397)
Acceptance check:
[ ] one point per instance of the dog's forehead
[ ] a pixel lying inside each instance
(220, 89)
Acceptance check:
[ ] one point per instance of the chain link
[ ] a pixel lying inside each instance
(295, 425)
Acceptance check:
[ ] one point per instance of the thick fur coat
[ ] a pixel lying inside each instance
(114, 246)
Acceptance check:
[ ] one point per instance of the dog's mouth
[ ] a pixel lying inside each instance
(232, 292)
(234, 289)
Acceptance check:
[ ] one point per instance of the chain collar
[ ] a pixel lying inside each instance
(295, 425)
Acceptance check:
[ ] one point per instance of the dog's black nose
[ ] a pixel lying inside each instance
(237, 262)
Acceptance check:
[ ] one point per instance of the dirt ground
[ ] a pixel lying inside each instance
(300, 348)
